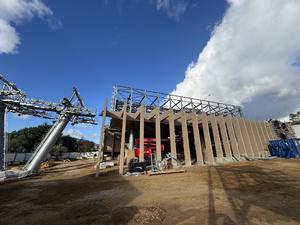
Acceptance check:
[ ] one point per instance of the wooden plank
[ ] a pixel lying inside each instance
(232, 137)
(185, 136)
(197, 139)
(157, 135)
(122, 150)
(217, 141)
(224, 135)
(165, 172)
(208, 148)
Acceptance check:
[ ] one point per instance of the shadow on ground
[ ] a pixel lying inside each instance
(248, 187)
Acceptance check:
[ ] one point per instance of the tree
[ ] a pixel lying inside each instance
(58, 150)
(295, 118)
(28, 139)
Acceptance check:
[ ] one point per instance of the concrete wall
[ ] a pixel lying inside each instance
(23, 157)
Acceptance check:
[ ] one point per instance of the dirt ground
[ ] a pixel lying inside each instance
(256, 192)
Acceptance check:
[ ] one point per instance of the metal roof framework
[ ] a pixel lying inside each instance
(135, 98)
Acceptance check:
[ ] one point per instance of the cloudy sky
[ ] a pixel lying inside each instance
(236, 51)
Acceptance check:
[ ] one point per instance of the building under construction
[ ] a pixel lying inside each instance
(195, 131)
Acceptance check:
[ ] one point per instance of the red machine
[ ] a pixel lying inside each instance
(149, 147)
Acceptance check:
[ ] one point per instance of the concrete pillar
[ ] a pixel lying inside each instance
(232, 137)
(122, 150)
(101, 138)
(246, 138)
(142, 130)
(197, 139)
(252, 138)
(185, 137)
(131, 139)
(237, 130)
(157, 135)
(208, 149)
(225, 140)
(267, 134)
(172, 137)
(264, 126)
(217, 141)
(263, 133)
(272, 132)
(262, 137)
(259, 138)
(2, 136)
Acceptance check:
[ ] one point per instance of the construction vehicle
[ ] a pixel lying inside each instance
(149, 147)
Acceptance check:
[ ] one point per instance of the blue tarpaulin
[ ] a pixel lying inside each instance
(288, 148)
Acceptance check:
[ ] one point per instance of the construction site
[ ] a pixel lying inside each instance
(162, 159)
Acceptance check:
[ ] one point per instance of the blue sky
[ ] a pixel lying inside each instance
(95, 44)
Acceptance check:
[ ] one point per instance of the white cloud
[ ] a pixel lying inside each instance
(73, 133)
(14, 12)
(252, 58)
(173, 8)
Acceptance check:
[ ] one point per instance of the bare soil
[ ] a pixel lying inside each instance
(255, 192)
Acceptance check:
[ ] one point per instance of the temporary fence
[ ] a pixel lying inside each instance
(16, 158)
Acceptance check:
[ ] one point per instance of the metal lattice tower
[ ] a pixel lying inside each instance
(14, 100)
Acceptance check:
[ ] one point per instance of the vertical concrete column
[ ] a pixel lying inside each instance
(232, 137)
(267, 134)
(251, 138)
(208, 148)
(217, 141)
(122, 150)
(172, 137)
(142, 130)
(131, 139)
(2, 137)
(157, 135)
(264, 126)
(197, 139)
(263, 133)
(185, 136)
(101, 138)
(260, 138)
(259, 145)
(246, 137)
(237, 130)
(272, 131)
(224, 135)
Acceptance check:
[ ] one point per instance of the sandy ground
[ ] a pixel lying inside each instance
(256, 192)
